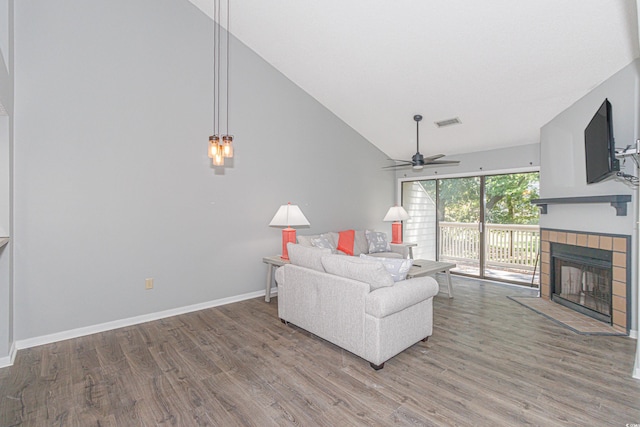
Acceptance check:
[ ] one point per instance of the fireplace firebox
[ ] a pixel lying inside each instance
(585, 283)
(581, 279)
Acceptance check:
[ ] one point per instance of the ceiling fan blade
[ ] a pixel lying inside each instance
(418, 161)
(442, 162)
(408, 164)
(401, 163)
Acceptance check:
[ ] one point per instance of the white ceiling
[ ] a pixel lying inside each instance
(504, 67)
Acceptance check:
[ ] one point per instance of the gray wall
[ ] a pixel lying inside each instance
(113, 184)
(563, 172)
(479, 163)
(6, 153)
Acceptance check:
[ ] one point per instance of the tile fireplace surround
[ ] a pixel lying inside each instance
(619, 245)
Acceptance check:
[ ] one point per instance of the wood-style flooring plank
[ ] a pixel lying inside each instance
(490, 361)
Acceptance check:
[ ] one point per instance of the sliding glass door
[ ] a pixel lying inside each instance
(512, 234)
(459, 223)
(486, 225)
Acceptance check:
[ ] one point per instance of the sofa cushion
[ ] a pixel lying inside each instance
(377, 242)
(307, 256)
(346, 241)
(397, 267)
(370, 272)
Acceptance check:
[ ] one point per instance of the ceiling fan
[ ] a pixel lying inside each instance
(418, 161)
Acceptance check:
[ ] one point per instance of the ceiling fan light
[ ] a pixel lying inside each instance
(418, 167)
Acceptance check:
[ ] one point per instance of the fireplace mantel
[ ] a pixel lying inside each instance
(618, 201)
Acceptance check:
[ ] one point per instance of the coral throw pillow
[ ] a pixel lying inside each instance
(345, 242)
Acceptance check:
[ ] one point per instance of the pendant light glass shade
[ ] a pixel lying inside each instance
(214, 142)
(218, 158)
(227, 147)
(220, 148)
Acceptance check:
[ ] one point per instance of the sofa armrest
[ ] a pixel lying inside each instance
(386, 301)
(400, 248)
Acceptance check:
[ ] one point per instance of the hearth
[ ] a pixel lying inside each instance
(581, 279)
(599, 286)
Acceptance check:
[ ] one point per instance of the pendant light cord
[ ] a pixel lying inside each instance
(218, 60)
(228, 37)
(215, 98)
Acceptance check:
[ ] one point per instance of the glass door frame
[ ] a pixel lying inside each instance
(482, 176)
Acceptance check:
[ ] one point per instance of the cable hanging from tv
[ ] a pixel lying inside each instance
(630, 151)
(632, 180)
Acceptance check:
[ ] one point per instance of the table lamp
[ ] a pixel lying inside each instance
(397, 214)
(287, 216)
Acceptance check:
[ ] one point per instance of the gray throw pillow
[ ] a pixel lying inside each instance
(360, 244)
(377, 242)
(323, 242)
(307, 256)
(306, 240)
(397, 267)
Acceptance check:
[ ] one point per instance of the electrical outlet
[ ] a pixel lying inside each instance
(148, 283)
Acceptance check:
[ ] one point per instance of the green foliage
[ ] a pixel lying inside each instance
(459, 199)
(507, 198)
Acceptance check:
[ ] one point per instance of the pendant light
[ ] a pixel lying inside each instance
(220, 145)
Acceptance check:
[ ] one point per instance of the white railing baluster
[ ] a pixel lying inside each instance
(506, 245)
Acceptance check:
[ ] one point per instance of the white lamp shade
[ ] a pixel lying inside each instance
(396, 213)
(288, 215)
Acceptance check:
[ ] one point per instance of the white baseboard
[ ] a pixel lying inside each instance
(636, 372)
(8, 360)
(102, 327)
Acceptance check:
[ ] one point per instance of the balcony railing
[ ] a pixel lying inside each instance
(506, 245)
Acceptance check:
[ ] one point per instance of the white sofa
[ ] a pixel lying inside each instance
(361, 244)
(354, 303)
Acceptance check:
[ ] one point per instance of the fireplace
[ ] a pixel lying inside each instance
(589, 273)
(581, 279)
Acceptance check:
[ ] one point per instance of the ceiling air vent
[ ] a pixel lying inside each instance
(448, 122)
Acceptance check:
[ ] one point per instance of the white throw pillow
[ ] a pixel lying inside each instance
(397, 267)
(377, 242)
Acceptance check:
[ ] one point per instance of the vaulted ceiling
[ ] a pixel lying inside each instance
(503, 67)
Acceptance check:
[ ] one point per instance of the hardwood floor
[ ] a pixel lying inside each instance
(490, 362)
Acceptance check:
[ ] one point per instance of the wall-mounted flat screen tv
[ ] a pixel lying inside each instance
(599, 146)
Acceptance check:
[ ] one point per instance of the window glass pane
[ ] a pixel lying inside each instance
(459, 223)
(512, 234)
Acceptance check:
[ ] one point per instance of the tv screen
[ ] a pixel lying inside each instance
(599, 146)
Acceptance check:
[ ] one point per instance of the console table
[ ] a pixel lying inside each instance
(407, 245)
(272, 261)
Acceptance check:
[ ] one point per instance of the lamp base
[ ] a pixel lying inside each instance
(396, 232)
(288, 235)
